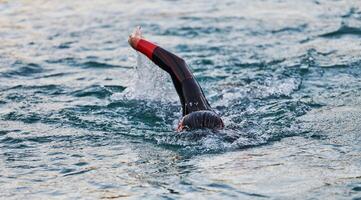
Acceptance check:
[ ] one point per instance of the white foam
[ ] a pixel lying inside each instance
(149, 82)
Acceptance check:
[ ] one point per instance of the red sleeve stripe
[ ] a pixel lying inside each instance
(146, 48)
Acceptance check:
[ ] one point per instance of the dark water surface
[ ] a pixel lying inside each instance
(82, 116)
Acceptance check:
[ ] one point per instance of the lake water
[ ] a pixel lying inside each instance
(83, 116)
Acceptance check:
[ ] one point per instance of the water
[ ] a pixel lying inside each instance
(82, 116)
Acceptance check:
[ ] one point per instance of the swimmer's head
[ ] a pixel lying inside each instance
(201, 119)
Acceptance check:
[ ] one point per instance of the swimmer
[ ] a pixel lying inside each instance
(197, 113)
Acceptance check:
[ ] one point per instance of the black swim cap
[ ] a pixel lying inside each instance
(202, 119)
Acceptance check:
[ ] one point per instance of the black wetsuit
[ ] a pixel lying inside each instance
(188, 89)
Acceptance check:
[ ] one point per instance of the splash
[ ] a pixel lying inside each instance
(150, 83)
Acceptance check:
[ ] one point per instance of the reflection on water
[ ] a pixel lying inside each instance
(84, 116)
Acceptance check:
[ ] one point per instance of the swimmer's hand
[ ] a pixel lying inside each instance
(135, 37)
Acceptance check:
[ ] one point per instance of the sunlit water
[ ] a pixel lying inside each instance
(82, 116)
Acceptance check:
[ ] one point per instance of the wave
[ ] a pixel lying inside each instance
(94, 90)
(192, 32)
(342, 31)
(23, 69)
(95, 64)
(84, 64)
(50, 89)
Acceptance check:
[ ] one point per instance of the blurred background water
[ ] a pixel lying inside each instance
(82, 116)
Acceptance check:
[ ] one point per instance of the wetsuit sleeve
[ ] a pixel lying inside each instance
(189, 91)
(146, 47)
(166, 60)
